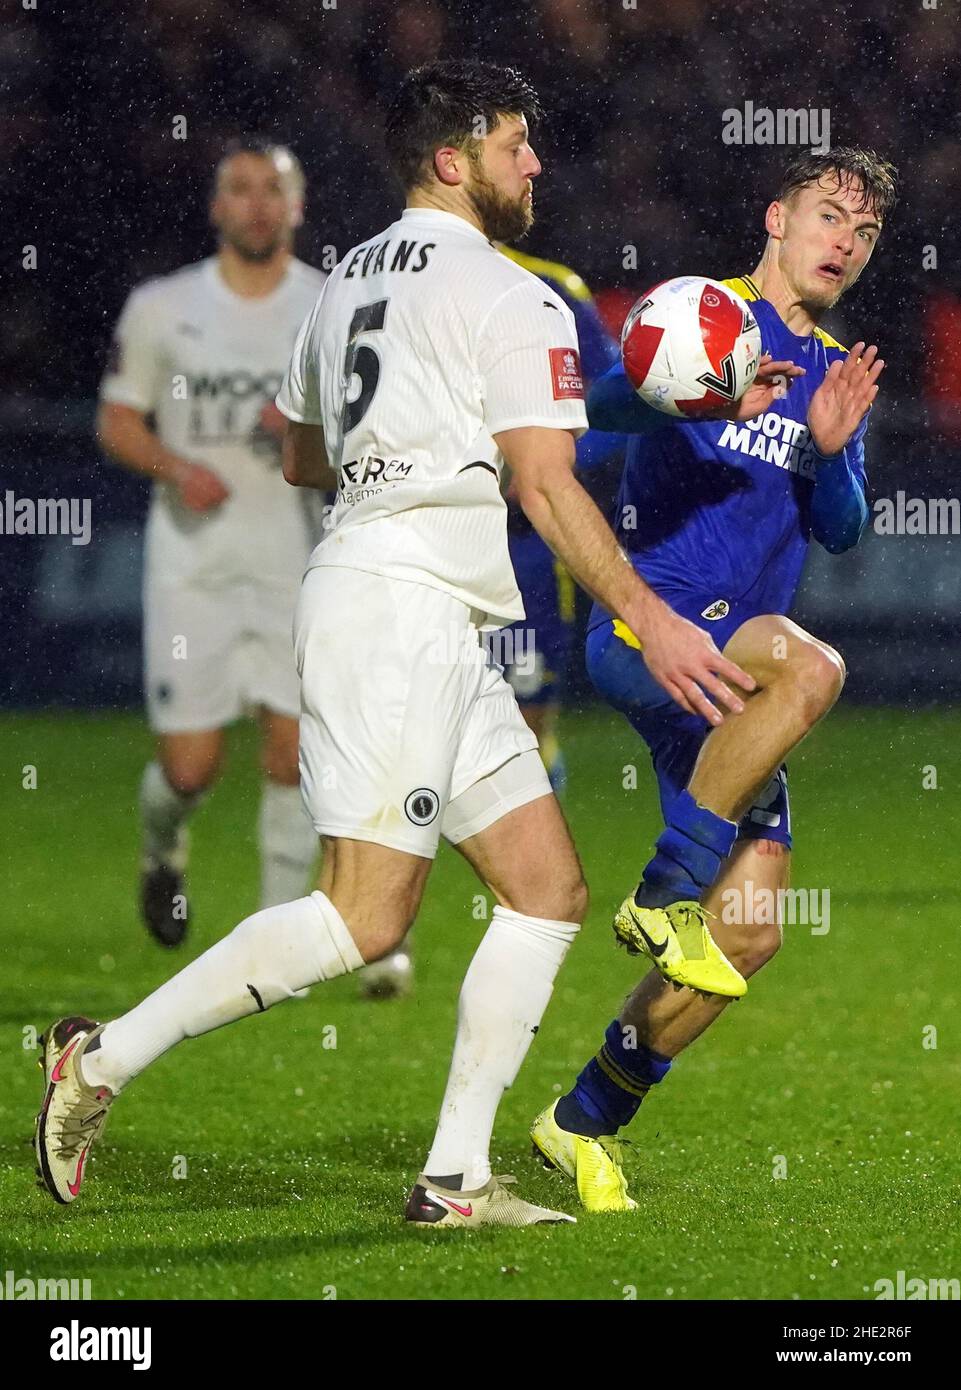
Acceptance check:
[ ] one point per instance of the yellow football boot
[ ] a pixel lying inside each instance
(594, 1164)
(677, 942)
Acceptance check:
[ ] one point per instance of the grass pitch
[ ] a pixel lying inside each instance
(297, 1154)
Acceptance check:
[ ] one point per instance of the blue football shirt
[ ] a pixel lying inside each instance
(723, 508)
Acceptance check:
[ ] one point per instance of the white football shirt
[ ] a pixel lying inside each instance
(425, 342)
(203, 361)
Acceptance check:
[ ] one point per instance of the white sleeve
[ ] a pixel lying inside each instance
(529, 364)
(135, 368)
(299, 394)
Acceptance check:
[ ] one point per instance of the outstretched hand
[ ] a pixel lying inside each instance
(844, 398)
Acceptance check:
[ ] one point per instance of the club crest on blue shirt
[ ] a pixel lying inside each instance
(716, 610)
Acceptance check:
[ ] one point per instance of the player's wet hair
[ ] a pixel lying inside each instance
(450, 103)
(878, 177)
(284, 161)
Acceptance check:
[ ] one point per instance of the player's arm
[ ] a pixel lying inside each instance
(837, 420)
(614, 405)
(124, 436)
(681, 656)
(839, 509)
(599, 352)
(137, 373)
(304, 456)
(533, 408)
(303, 450)
(596, 449)
(599, 348)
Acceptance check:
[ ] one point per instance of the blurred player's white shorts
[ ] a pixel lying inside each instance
(408, 730)
(214, 654)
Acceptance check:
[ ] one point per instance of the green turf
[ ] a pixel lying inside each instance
(298, 1156)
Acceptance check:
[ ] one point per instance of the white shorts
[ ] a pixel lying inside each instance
(402, 712)
(211, 655)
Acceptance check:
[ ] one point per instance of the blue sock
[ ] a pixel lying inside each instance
(687, 856)
(609, 1090)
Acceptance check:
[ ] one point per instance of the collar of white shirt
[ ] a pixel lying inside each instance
(450, 221)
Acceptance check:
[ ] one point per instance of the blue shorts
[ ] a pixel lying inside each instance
(674, 737)
(537, 650)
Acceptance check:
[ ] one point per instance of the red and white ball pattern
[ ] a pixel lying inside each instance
(690, 347)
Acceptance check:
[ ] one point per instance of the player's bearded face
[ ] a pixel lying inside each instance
(504, 216)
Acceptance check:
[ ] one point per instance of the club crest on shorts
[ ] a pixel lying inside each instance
(422, 806)
(718, 609)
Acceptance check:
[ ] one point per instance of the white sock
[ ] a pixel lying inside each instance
(163, 813)
(288, 844)
(502, 1000)
(268, 957)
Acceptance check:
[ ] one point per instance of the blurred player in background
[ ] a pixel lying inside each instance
(718, 516)
(429, 362)
(534, 651)
(537, 650)
(187, 401)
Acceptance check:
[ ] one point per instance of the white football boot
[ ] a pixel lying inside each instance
(73, 1114)
(490, 1205)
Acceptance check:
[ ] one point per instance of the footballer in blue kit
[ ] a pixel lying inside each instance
(716, 514)
(536, 650)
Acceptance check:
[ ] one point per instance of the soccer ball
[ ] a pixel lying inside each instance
(690, 347)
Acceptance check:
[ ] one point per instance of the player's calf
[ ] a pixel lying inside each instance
(171, 790)
(286, 837)
(750, 945)
(287, 842)
(527, 859)
(745, 903)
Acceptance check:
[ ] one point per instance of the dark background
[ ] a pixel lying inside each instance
(633, 156)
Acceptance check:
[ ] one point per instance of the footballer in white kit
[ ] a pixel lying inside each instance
(200, 354)
(429, 363)
(402, 710)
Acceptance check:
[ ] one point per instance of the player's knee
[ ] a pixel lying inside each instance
(830, 674)
(578, 902)
(191, 776)
(819, 673)
(280, 754)
(841, 670)
(282, 766)
(555, 897)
